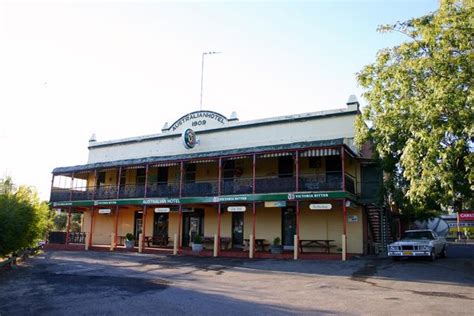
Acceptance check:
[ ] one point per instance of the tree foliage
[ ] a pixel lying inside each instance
(420, 110)
(24, 219)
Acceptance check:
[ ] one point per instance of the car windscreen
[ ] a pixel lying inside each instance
(418, 235)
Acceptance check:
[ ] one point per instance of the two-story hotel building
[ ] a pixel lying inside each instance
(209, 175)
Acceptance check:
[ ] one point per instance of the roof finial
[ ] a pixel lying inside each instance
(93, 138)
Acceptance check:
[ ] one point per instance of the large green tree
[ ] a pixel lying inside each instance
(420, 110)
(24, 219)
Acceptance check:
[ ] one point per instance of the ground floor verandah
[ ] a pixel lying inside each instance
(234, 226)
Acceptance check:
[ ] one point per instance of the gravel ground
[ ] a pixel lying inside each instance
(101, 283)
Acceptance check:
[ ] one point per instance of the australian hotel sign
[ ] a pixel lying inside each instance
(199, 119)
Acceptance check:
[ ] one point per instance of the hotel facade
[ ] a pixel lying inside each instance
(238, 185)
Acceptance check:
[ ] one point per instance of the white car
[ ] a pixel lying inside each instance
(419, 243)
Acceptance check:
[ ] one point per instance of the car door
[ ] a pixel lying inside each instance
(436, 243)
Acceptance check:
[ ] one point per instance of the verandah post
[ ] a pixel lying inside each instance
(180, 221)
(116, 226)
(343, 169)
(219, 229)
(142, 241)
(254, 224)
(68, 227)
(344, 230)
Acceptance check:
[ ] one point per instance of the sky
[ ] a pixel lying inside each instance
(119, 69)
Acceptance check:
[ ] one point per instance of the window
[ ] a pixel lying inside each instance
(141, 176)
(100, 179)
(285, 167)
(190, 173)
(162, 174)
(333, 163)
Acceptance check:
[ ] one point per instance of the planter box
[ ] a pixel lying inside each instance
(276, 249)
(197, 247)
(129, 244)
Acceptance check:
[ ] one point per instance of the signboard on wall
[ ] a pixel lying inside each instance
(275, 204)
(320, 206)
(162, 210)
(105, 211)
(236, 209)
(352, 218)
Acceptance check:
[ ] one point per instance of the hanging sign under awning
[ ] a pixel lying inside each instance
(236, 209)
(275, 204)
(105, 211)
(320, 206)
(162, 210)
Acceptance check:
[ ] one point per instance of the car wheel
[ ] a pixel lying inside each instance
(444, 252)
(432, 255)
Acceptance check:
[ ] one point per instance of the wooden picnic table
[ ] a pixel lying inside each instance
(159, 240)
(225, 241)
(315, 243)
(259, 244)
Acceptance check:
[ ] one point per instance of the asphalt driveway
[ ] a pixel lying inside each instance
(101, 283)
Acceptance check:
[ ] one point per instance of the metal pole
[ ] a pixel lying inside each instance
(202, 77)
(202, 73)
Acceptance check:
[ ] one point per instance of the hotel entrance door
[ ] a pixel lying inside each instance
(288, 229)
(137, 229)
(193, 224)
(237, 230)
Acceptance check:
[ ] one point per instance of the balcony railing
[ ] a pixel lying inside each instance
(163, 189)
(327, 181)
(275, 184)
(237, 186)
(132, 191)
(201, 188)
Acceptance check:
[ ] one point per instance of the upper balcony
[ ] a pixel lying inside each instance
(252, 174)
(306, 182)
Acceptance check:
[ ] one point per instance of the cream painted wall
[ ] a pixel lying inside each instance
(312, 129)
(210, 223)
(268, 224)
(313, 225)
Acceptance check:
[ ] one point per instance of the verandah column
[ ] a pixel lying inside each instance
(344, 209)
(297, 187)
(180, 223)
(343, 169)
(219, 219)
(180, 211)
(344, 230)
(116, 225)
(254, 208)
(91, 228)
(142, 241)
(71, 187)
(117, 207)
(219, 215)
(68, 227)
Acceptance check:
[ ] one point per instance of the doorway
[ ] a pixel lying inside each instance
(288, 227)
(193, 224)
(160, 229)
(137, 227)
(238, 230)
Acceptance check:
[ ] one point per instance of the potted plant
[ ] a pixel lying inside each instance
(276, 247)
(197, 244)
(129, 241)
